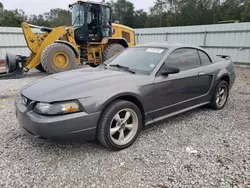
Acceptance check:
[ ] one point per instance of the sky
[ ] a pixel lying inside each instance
(41, 6)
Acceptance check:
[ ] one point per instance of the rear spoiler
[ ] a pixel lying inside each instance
(224, 56)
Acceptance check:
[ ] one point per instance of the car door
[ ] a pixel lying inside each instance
(207, 70)
(175, 92)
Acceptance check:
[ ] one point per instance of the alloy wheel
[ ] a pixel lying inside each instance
(221, 96)
(124, 126)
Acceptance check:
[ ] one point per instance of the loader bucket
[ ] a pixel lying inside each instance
(14, 67)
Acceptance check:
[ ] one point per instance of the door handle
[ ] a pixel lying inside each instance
(201, 74)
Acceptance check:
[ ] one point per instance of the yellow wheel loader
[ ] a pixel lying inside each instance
(92, 38)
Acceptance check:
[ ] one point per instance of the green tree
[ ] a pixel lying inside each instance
(58, 17)
(201, 12)
(1, 7)
(230, 10)
(158, 10)
(12, 18)
(140, 18)
(124, 12)
(245, 14)
(39, 20)
(164, 13)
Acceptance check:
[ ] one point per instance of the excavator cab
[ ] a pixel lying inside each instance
(91, 21)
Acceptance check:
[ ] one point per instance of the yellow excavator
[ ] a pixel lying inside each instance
(91, 38)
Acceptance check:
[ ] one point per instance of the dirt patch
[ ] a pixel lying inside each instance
(7, 96)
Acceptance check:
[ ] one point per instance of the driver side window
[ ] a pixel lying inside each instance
(184, 59)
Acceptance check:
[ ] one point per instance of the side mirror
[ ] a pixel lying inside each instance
(170, 70)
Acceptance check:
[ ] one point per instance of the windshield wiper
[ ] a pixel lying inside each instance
(123, 68)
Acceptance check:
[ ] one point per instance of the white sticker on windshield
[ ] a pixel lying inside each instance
(155, 50)
(152, 66)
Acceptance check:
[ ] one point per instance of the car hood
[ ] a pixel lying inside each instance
(81, 83)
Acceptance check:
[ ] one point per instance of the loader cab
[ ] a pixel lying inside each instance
(92, 22)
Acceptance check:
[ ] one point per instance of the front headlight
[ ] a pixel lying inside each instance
(57, 108)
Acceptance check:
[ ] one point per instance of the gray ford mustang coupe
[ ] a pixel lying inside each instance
(137, 87)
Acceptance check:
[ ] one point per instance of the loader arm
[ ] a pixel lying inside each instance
(37, 46)
(30, 37)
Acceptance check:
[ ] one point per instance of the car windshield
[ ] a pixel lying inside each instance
(78, 15)
(142, 59)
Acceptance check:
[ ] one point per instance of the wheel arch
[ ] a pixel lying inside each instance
(226, 78)
(224, 75)
(120, 41)
(126, 97)
(69, 45)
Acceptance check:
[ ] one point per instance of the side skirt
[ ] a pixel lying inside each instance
(176, 113)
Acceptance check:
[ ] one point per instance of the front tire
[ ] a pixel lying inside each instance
(220, 96)
(119, 125)
(58, 58)
(111, 50)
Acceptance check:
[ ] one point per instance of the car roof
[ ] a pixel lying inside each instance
(173, 46)
(168, 45)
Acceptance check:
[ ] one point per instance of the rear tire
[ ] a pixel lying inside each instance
(120, 125)
(220, 96)
(40, 68)
(111, 50)
(58, 58)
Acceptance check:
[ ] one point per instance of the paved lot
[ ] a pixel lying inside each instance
(158, 158)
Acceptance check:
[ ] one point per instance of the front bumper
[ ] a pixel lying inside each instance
(70, 127)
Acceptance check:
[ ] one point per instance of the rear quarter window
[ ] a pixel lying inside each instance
(205, 59)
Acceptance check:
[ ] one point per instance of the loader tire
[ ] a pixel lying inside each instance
(58, 58)
(40, 68)
(93, 65)
(11, 64)
(112, 50)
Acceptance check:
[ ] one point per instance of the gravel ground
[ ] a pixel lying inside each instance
(159, 158)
